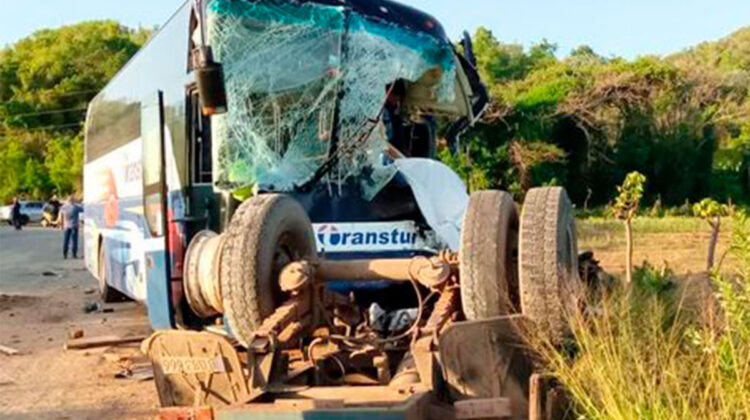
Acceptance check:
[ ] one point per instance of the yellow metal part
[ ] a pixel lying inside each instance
(196, 369)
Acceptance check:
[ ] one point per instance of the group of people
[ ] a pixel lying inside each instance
(65, 215)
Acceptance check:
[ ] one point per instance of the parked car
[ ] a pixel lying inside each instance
(31, 212)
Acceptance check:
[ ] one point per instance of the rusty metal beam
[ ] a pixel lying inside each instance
(396, 269)
(431, 272)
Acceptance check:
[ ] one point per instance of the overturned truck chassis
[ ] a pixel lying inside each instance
(318, 351)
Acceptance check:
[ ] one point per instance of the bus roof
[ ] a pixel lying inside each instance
(393, 12)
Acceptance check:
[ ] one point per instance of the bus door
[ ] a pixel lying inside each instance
(158, 290)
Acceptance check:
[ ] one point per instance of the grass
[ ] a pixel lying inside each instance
(664, 347)
(679, 242)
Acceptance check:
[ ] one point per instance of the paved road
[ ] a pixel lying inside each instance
(25, 257)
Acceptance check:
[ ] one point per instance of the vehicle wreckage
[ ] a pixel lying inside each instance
(334, 269)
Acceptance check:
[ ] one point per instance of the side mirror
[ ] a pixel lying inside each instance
(210, 79)
(469, 49)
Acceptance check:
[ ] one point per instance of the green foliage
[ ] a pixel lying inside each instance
(46, 81)
(710, 209)
(682, 121)
(740, 245)
(64, 163)
(629, 196)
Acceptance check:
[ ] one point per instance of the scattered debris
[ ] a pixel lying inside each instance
(109, 340)
(73, 334)
(142, 373)
(126, 360)
(50, 274)
(90, 307)
(132, 365)
(10, 351)
(89, 291)
(592, 274)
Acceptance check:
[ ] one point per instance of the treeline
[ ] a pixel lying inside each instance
(46, 82)
(586, 120)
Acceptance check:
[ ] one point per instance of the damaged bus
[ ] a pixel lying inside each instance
(262, 176)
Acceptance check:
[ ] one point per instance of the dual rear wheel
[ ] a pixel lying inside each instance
(527, 264)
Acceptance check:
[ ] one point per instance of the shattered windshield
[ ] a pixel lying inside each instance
(301, 77)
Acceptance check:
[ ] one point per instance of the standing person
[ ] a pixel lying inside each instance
(68, 220)
(15, 213)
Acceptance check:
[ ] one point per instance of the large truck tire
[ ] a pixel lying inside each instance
(107, 293)
(549, 281)
(488, 258)
(266, 233)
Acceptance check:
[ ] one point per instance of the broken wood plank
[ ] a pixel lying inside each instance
(108, 340)
(10, 351)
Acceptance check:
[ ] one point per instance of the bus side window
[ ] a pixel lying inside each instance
(200, 142)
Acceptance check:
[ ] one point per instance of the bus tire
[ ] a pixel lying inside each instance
(266, 232)
(488, 258)
(106, 292)
(549, 281)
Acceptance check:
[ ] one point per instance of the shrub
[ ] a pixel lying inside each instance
(643, 351)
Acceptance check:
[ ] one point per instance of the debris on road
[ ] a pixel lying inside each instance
(89, 291)
(132, 364)
(90, 307)
(73, 334)
(141, 373)
(10, 351)
(109, 340)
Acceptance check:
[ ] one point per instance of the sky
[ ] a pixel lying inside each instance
(627, 28)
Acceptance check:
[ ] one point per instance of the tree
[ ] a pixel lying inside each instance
(679, 122)
(46, 82)
(64, 162)
(526, 155)
(625, 208)
(711, 211)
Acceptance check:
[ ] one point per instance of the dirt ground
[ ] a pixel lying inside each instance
(42, 298)
(679, 243)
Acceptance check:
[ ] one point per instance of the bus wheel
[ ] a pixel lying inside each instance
(106, 292)
(489, 256)
(549, 281)
(266, 233)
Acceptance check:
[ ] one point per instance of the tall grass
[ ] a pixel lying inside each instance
(663, 348)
